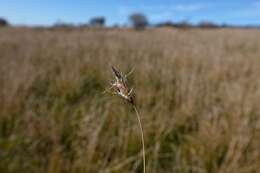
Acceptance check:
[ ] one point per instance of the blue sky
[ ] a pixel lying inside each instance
(47, 12)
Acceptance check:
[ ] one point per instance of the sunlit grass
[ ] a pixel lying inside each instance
(198, 94)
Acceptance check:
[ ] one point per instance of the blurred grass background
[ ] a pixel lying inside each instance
(198, 92)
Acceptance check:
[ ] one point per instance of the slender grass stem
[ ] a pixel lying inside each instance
(142, 133)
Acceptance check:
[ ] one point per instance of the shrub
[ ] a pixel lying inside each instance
(138, 20)
(97, 22)
(3, 22)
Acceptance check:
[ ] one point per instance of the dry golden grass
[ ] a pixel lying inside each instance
(198, 92)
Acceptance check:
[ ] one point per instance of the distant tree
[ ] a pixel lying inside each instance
(83, 25)
(63, 25)
(116, 26)
(97, 22)
(3, 22)
(138, 20)
(184, 25)
(224, 25)
(165, 24)
(207, 24)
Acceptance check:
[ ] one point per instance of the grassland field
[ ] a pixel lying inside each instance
(197, 90)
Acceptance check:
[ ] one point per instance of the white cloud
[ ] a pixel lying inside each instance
(163, 12)
(166, 9)
(166, 15)
(189, 7)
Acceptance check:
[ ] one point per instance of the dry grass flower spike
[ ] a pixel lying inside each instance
(120, 88)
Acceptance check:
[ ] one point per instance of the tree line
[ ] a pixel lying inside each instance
(138, 21)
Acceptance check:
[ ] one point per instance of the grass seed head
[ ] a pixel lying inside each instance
(120, 86)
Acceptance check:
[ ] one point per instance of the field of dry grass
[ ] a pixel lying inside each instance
(198, 93)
